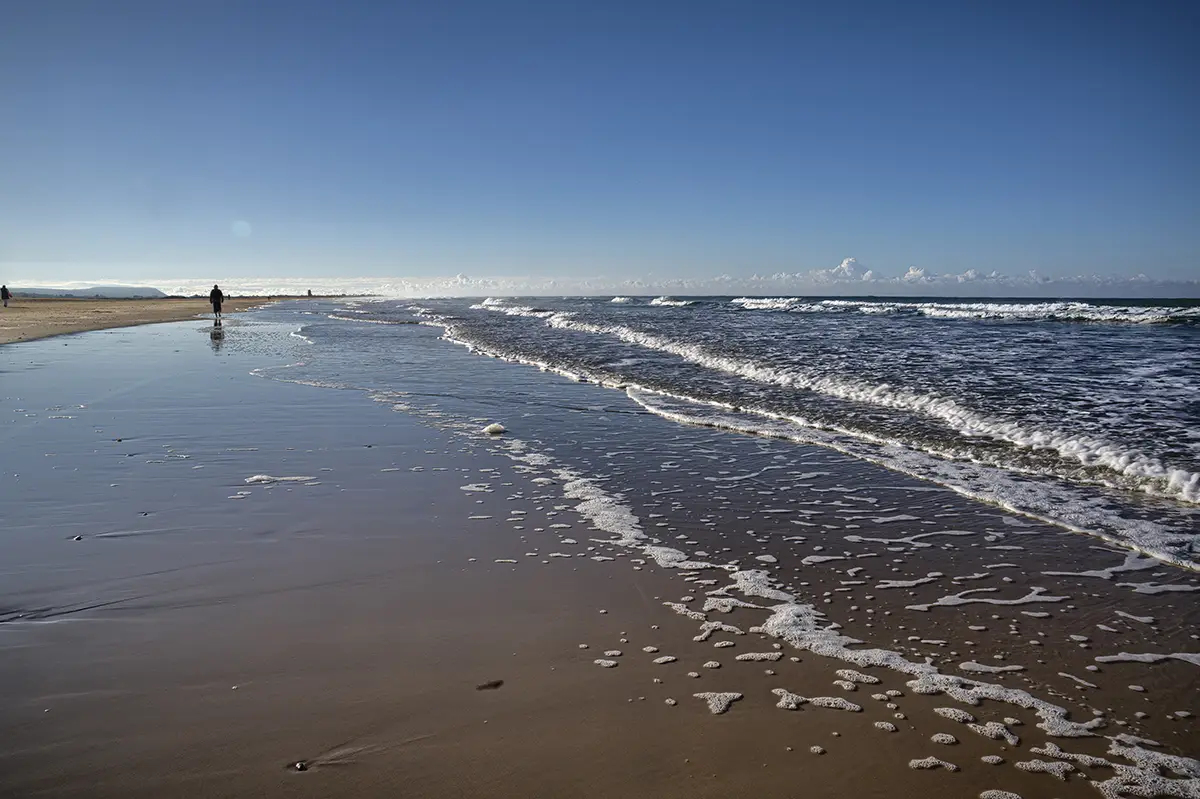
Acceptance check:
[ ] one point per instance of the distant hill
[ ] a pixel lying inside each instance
(104, 292)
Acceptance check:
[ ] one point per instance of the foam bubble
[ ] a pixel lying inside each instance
(984, 668)
(996, 731)
(787, 699)
(1057, 768)
(262, 479)
(1125, 657)
(759, 656)
(1053, 750)
(718, 703)
(755, 582)
(835, 703)
(904, 583)
(684, 610)
(725, 604)
(1078, 680)
(857, 676)
(931, 763)
(813, 560)
(1036, 594)
(709, 628)
(1130, 616)
(954, 714)
(1155, 588)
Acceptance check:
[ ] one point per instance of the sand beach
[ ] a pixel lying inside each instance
(255, 566)
(26, 318)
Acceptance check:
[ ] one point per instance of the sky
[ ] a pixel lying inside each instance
(1016, 147)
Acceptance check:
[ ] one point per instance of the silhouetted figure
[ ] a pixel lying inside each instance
(216, 298)
(5, 295)
(310, 292)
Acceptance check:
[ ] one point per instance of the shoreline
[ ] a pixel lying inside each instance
(346, 613)
(33, 318)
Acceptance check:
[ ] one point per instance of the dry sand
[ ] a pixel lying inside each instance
(26, 319)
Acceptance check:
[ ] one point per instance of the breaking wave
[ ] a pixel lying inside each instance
(1027, 311)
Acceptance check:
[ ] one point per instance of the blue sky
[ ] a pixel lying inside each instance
(145, 141)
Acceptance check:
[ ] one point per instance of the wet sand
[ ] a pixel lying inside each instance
(205, 631)
(26, 319)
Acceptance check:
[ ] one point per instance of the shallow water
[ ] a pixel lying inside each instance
(1081, 413)
(805, 540)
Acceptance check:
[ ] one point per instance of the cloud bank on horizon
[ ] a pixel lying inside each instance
(849, 278)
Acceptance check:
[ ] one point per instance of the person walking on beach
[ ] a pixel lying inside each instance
(5, 295)
(216, 298)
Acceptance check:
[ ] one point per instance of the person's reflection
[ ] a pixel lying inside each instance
(216, 337)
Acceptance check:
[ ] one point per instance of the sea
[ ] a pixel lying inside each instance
(1083, 414)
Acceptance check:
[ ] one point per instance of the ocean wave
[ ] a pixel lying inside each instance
(1146, 472)
(668, 301)
(766, 303)
(1055, 503)
(362, 320)
(1050, 498)
(512, 310)
(1056, 311)
(451, 332)
(1026, 311)
(791, 304)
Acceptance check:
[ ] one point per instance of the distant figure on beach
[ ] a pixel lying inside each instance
(216, 298)
(310, 292)
(5, 295)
